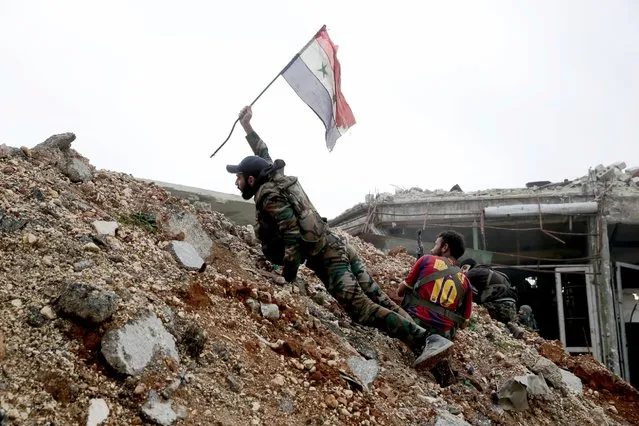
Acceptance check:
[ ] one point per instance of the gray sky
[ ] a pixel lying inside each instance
(484, 94)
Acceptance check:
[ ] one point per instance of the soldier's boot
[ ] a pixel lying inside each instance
(517, 331)
(435, 349)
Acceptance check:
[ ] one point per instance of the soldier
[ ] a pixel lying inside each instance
(292, 232)
(495, 292)
(526, 317)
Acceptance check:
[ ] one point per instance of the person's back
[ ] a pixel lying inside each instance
(491, 285)
(443, 287)
(494, 290)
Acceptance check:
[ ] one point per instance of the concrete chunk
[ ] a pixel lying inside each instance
(157, 411)
(105, 228)
(549, 371)
(186, 254)
(87, 302)
(445, 418)
(365, 370)
(98, 412)
(535, 385)
(572, 382)
(131, 348)
(513, 396)
(194, 234)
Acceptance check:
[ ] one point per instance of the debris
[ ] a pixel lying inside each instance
(98, 412)
(105, 228)
(513, 396)
(87, 302)
(186, 255)
(131, 348)
(366, 370)
(157, 411)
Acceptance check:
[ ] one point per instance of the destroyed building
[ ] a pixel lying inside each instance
(122, 304)
(571, 248)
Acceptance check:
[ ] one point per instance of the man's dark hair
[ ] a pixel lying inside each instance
(470, 262)
(455, 243)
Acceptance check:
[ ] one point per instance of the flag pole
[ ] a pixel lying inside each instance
(269, 85)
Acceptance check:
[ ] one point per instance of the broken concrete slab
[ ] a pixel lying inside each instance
(103, 227)
(572, 382)
(194, 233)
(535, 385)
(513, 395)
(186, 254)
(87, 302)
(98, 412)
(157, 411)
(549, 371)
(366, 370)
(131, 348)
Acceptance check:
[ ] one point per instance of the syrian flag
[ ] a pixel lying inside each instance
(314, 74)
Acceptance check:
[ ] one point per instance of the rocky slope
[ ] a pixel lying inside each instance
(122, 305)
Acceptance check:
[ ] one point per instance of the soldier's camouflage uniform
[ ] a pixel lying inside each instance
(334, 262)
(527, 319)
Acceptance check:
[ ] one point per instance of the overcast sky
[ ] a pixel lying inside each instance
(483, 94)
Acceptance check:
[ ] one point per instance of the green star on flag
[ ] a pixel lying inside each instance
(323, 70)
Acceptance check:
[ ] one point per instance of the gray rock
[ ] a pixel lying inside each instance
(535, 385)
(365, 370)
(75, 169)
(4, 418)
(104, 227)
(87, 302)
(157, 411)
(572, 382)
(98, 412)
(513, 396)
(5, 150)
(10, 223)
(81, 265)
(234, 382)
(444, 418)
(270, 311)
(186, 255)
(34, 317)
(194, 234)
(60, 141)
(254, 305)
(287, 405)
(549, 370)
(131, 348)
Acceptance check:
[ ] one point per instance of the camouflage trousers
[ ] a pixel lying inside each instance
(343, 273)
(503, 311)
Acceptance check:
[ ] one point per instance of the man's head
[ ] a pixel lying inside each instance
(247, 173)
(524, 310)
(449, 244)
(467, 264)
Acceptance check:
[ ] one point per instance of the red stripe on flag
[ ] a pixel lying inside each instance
(343, 115)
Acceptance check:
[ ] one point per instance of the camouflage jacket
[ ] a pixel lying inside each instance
(278, 227)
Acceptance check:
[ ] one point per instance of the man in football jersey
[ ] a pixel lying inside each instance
(436, 293)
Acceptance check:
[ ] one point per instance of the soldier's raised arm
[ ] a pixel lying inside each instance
(257, 144)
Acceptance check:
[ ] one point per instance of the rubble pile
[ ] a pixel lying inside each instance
(123, 305)
(615, 176)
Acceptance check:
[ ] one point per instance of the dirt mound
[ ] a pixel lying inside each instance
(170, 316)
